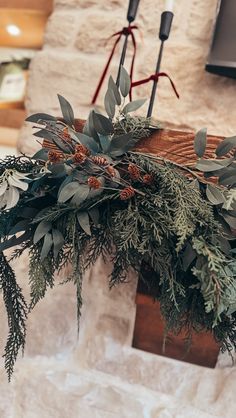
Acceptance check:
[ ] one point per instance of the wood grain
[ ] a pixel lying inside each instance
(171, 144)
(149, 331)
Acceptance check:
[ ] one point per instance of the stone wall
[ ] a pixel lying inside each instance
(76, 49)
(99, 374)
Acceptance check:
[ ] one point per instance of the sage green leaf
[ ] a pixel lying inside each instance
(58, 242)
(208, 166)
(68, 191)
(228, 179)
(41, 230)
(81, 194)
(40, 117)
(47, 245)
(67, 180)
(224, 244)
(110, 104)
(105, 142)
(231, 220)
(113, 87)
(102, 124)
(214, 195)
(226, 146)
(88, 141)
(44, 133)
(42, 154)
(19, 227)
(67, 111)
(94, 215)
(121, 144)
(124, 82)
(89, 128)
(200, 142)
(132, 106)
(83, 220)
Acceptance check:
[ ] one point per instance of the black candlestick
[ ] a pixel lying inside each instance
(131, 15)
(166, 21)
(132, 10)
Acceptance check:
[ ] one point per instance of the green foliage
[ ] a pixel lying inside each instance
(16, 309)
(88, 195)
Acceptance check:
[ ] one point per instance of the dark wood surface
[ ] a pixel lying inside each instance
(149, 331)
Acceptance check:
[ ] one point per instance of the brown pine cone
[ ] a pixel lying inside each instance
(148, 179)
(55, 156)
(134, 171)
(66, 134)
(79, 158)
(111, 171)
(99, 160)
(127, 193)
(94, 183)
(82, 149)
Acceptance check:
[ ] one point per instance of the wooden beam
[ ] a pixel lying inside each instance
(43, 5)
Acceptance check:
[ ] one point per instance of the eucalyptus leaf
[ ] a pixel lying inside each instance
(19, 227)
(226, 146)
(67, 111)
(88, 141)
(102, 124)
(68, 191)
(132, 106)
(42, 229)
(200, 142)
(58, 242)
(214, 195)
(94, 215)
(83, 219)
(42, 154)
(13, 241)
(110, 104)
(121, 144)
(81, 194)
(89, 128)
(228, 178)
(208, 166)
(231, 220)
(113, 87)
(124, 82)
(39, 117)
(47, 245)
(105, 142)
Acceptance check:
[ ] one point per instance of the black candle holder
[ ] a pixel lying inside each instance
(131, 15)
(165, 27)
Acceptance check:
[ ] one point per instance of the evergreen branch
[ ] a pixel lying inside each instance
(17, 314)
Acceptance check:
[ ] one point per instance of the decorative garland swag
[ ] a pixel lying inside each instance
(85, 193)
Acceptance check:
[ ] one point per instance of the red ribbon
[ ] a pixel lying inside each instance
(155, 77)
(125, 31)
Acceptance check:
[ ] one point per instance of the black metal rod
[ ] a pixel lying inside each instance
(122, 58)
(155, 82)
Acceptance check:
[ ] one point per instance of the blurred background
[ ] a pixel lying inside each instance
(22, 24)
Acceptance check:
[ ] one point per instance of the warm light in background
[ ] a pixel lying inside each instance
(13, 30)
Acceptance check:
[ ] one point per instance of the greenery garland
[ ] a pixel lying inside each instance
(89, 194)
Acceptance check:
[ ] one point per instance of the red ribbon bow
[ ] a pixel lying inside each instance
(125, 31)
(155, 77)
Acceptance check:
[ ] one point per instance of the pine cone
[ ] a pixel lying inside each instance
(127, 193)
(55, 156)
(148, 179)
(99, 160)
(79, 158)
(111, 171)
(94, 183)
(134, 171)
(66, 134)
(82, 149)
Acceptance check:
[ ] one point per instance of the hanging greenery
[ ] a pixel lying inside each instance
(86, 194)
